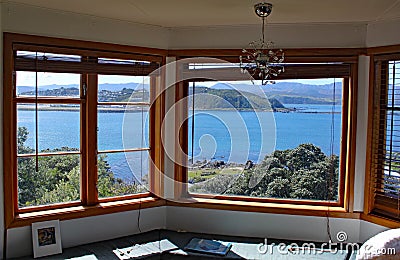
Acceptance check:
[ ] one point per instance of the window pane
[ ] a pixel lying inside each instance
(135, 130)
(115, 88)
(26, 128)
(301, 163)
(56, 179)
(122, 173)
(391, 157)
(49, 84)
(58, 127)
(41, 56)
(393, 96)
(122, 127)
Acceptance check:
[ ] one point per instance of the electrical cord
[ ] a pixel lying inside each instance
(332, 168)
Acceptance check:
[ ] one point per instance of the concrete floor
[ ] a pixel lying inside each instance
(166, 244)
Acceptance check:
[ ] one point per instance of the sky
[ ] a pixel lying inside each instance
(47, 78)
(303, 81)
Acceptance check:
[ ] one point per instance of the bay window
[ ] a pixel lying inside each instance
(79, 126)
(294, 146)
(383, 187)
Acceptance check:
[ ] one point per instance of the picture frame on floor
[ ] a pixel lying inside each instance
(46, 238)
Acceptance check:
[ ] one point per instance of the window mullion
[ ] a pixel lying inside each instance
(156, 112)
(9, 136)
(91, 140)
(83, 126)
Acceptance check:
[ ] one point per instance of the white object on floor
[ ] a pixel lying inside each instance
(146, 249)
(385, 245)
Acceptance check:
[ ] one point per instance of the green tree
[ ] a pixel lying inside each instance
(304, 172)
(57, 178)
(108, 185)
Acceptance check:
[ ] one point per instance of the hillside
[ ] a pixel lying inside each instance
(278, 94)
(121, 95)
(56, 92)
(124, 95)
(281, 92)
(23, 90)
(292, 92)
(207, 98)
(298, 93)
(288, 99)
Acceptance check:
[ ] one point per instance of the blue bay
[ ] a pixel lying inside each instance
(225, 135)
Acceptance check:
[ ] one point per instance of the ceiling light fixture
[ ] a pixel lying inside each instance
(260, 60)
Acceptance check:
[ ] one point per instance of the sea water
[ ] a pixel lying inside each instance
(231, 136)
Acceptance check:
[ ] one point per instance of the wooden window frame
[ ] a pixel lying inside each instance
(377, 212)
(89, 204)
(347, 155)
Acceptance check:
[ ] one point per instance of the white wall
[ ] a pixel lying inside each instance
(383, 33)
(368, 230)
(20, 18)
(262, 225)
(92, 229)
(362, 125)
(169, 128)
(283, 35)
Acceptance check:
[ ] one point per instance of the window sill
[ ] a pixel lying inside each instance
(265, 207)
(379, 220)
(26, 219)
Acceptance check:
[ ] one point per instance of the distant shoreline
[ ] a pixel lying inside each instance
(137, 110)
(76, 109)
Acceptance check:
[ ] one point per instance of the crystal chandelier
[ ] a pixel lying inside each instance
(260, 59)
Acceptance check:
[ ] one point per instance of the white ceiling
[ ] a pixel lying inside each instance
(182, 13)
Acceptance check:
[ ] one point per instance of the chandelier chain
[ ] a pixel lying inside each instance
(260, 60)
(263, 29)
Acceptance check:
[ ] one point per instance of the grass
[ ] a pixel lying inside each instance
(208, 173)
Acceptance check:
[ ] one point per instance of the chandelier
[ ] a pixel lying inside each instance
(260, 60)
